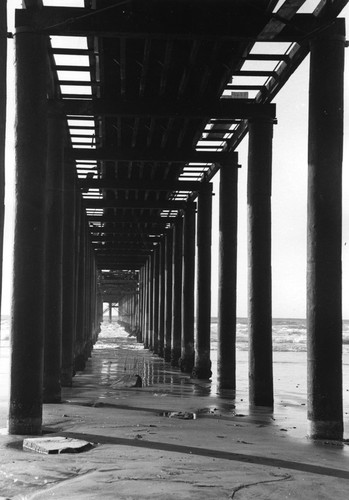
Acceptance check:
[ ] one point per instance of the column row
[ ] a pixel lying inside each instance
(56, 307)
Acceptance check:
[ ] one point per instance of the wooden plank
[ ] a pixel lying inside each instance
(286, 12)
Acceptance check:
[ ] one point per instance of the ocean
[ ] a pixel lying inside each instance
(289, 334)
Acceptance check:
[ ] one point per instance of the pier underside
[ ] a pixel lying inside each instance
(125, 113)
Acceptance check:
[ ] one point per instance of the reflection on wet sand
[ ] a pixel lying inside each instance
(117, 357)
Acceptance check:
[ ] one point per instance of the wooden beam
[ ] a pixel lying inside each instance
(114, 282)
(139, 252)
(141, 219)
(280, 18)
(266, 57)
(107, 231)
(171, 23)
(115, 184)
(223, 109)
(72, 52)
(249, 73)
(86, 69)
(159, 205)
(209, 23)
(151, 155)
(122, 249)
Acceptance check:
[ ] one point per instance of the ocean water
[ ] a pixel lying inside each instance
(289, 334)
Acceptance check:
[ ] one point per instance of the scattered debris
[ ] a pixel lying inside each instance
(184, 415)
(128, 381)
(56, 445)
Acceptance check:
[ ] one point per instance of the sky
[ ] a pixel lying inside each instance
(289, 199)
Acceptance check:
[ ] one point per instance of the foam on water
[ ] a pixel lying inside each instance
(288, 334)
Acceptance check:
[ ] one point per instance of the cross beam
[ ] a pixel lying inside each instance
(116, 184)
(179, 22)
(222, 109)
(139, 204)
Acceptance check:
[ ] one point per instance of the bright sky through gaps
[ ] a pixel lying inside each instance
(289, 188)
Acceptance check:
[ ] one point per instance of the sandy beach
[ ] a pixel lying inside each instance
(143, 448)
(290, 376)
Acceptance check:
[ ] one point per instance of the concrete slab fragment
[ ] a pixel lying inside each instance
(56, 444)
(184, 415)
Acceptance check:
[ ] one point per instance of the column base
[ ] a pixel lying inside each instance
(26, 426)
(202, 371)
(325, 429)
(226, 383)
(186, 363)
(79, 363)
(261, 393)
(175, 356)
(167, 354)
(67, 378)
(52, 395)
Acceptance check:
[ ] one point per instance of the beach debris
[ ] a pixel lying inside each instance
(56, 445)
(128, 381)
(184, 415)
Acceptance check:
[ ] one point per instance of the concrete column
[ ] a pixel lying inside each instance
(259, 258)
(150, 303)
(324, 285)
(156, 288)
(77, 258)
(168, 294)
(141, 306)
(54, 261)
(3, 64)
(69, 271)
(27, 329)
(177, 264)
(226, 359)
(162, 299)
(186, 362)
(202, 368)
(80, 361)
(146, 304)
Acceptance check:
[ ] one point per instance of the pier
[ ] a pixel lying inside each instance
(125, 113)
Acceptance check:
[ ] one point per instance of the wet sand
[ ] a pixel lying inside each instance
(226, 451)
